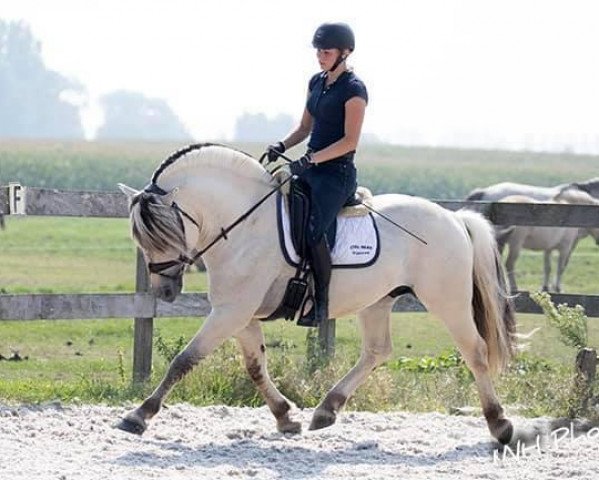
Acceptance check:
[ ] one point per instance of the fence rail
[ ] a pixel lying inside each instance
(144, 307)
(78, 306)
(50, 202)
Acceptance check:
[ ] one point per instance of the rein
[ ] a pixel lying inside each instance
(184, 259)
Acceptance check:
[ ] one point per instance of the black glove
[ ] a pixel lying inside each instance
(299, 166)
(274, 150)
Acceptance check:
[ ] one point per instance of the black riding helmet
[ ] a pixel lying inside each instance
(334, 35)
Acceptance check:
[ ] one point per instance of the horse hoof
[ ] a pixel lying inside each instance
(132, 425)
(322, 420)
(503, 431)
(290, 427)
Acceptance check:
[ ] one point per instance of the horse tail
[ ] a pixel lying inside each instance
(491, 305)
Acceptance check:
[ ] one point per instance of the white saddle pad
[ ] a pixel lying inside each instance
(357, 241)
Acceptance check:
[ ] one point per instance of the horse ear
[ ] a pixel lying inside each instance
(130, 192)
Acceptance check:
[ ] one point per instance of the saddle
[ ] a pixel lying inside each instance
(297, 200)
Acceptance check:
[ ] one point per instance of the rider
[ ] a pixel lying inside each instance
(332, 118)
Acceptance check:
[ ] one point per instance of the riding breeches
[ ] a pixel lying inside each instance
(330, 184)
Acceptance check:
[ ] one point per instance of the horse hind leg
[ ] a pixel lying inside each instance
(458, 318)
(515, 246)
(251, 342)
(375, 326)
(562, 263)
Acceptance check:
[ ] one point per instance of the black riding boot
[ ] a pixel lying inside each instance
(320, 262)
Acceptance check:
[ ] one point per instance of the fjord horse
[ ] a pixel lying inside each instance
(456, 274)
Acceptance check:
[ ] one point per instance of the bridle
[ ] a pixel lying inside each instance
(173, 269)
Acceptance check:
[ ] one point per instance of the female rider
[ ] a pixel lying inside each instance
(332, 118)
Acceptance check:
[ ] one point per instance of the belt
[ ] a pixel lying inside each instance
(346, 158)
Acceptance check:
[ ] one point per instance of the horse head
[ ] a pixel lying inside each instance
(591, 186)
(158, 229)
(192, 195)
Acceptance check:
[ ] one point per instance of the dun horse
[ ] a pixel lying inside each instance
(545, 239)
(457, 276)
(494, 193)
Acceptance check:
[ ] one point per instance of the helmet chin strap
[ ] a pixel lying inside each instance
(341, 58)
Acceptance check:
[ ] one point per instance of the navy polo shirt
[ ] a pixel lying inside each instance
(327, 107)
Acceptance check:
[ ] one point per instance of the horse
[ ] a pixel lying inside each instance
(546, 239)
(494, 193)
(456, 273)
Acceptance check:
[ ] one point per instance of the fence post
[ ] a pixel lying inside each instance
(143, 328)
(586, 370)
(326, 337)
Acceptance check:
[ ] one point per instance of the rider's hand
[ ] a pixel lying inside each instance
(274, 150)
(300, 165)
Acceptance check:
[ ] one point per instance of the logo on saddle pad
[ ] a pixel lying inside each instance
(357, 242)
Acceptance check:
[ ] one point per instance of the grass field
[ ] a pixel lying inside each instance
(90, 360)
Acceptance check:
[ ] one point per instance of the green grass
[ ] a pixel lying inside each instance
(81, 361)
(90, 360)
(66, 255)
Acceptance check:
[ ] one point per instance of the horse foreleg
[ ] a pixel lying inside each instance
(547, 270)
(375, 327)
(219, 326)
(251, 342)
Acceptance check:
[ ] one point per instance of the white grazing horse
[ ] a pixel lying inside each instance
(494, 193)
(457, 275)
(545, 239)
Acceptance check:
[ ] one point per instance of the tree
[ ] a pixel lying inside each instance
(33, 98)
(131, 115)
(258, 128)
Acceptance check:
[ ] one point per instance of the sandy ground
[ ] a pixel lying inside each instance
(185, 442)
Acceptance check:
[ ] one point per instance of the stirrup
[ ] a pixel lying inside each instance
(308, 319)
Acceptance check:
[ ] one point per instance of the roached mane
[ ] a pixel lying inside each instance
(155, 225)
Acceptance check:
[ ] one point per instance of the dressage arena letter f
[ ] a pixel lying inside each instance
(16, 199)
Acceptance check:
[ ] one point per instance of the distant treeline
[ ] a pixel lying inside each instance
(37, 102)
(428, 172)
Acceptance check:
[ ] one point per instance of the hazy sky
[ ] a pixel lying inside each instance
(508, 73)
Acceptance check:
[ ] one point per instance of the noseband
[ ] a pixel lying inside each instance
(172, 269)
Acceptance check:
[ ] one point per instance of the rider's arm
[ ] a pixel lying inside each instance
(355, 108)
(301, 132)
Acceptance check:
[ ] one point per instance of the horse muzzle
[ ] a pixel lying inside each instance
(167, 293)
(167, 288)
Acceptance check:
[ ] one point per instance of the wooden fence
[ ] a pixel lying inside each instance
(144, 307)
